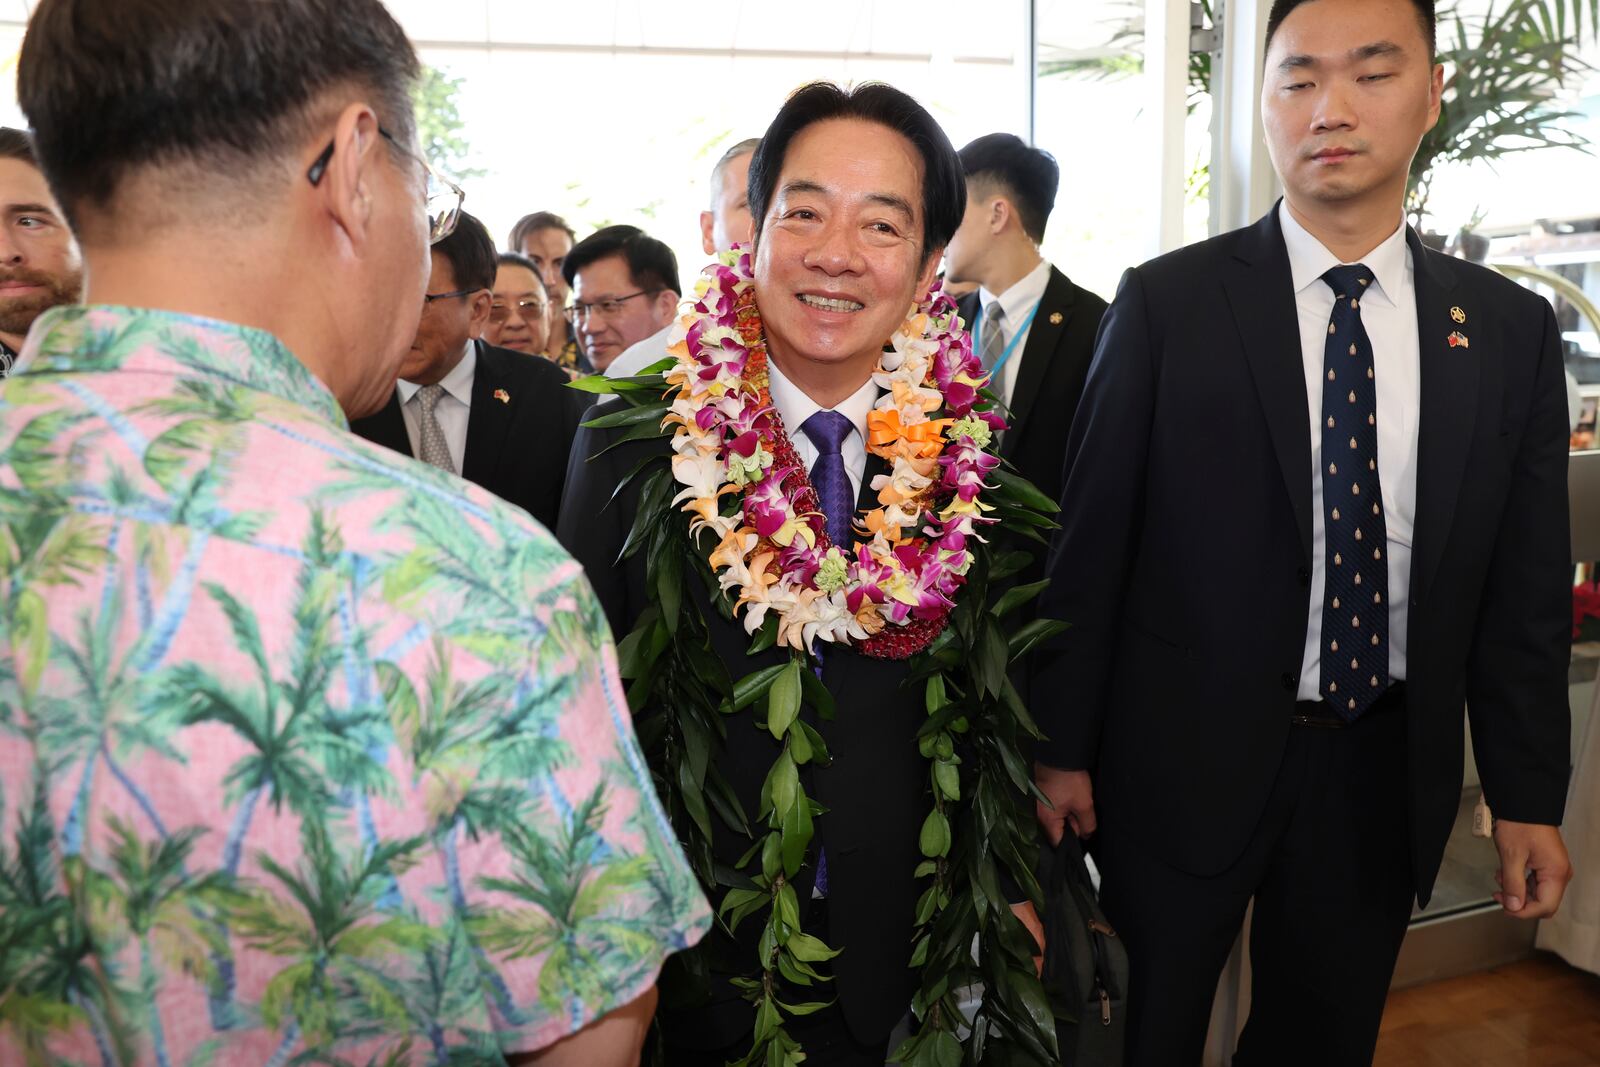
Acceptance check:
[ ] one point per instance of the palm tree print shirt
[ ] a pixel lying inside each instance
(308, 753)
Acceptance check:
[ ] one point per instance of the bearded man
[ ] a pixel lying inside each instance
(40, 267)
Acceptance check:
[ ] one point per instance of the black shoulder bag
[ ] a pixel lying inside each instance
(1085, 965)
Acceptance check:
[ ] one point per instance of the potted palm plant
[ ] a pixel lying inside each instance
(1503, 72)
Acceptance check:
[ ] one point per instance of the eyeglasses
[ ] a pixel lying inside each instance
(444, 196)
(527, 310)
(605, 309)
(428, 298)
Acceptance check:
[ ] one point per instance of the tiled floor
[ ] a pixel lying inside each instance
(1537, 1013)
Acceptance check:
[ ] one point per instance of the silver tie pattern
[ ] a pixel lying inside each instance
(435, 450)
(992, 343)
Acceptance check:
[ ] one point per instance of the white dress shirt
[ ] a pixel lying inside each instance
(1389, 315)
(636, 357)
(452, 411)
(795, 407)
(1018, 302)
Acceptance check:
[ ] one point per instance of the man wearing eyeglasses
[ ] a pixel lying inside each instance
(520, 317)
(624, 288)
(298, 737)
(491, 415)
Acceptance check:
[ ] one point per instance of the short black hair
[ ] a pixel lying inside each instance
(1425, 15)
(944, 190)
(651, 263)
(539, 220)
(470, 252)
(517, 259)
(1028, 176)
(16, 144)
(111, 86)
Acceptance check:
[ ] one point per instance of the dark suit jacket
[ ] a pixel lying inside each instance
(516, 448)
(1050, 376)
(875, 790)
(1184, 561)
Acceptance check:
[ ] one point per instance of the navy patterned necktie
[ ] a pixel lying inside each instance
(827, 430)
(1355, 598)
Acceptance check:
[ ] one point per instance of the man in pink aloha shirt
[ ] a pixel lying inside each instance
(307, 751)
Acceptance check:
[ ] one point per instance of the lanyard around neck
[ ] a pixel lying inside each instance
(1011, 345)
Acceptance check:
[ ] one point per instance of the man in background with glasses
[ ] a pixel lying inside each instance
(298, 737)
(496, 417)
(521, 315)
(624, 288)
(546, 238)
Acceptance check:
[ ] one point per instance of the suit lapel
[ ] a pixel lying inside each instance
(1260, 291)
(1449, 405)
(866, 499)
(1049, 326)
(388, 426)
(490, 419)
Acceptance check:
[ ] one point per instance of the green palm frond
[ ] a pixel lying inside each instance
(1506, 69)
(567, 899)
(151, 892)
(327, 928)
(246, 638)
(34, 454)
(49, 972)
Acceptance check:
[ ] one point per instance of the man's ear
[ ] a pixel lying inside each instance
(1000, 213)
(478, 307)
(930, 271)
(666, 308)
(348, 183)
(707, 224)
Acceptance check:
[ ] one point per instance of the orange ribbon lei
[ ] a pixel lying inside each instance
(887, 437)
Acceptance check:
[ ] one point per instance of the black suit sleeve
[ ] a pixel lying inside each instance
(1517, 673)
(565, 416)
(592, 527)
(1100, 518)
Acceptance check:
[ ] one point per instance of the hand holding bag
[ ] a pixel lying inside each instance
(1085, 965)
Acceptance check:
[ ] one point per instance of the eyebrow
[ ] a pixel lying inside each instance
(1377, 49)
(30, 209)
(889, 200)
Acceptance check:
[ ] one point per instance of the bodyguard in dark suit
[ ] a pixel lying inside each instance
(500, 419)
(1315, 504)
(1028, 319)
(868, 234)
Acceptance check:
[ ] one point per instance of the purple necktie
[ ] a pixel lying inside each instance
(827, 430)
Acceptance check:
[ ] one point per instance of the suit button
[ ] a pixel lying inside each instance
(1290, 682)
(1304, 575)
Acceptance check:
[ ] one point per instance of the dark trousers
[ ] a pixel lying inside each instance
(824, 1035)
(1329, 869)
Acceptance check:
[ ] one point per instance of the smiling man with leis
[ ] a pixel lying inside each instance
(836, 737)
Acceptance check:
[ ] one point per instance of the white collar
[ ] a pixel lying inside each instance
(1309, 258)
(1024, 293)
(795, 407)
(458, 383)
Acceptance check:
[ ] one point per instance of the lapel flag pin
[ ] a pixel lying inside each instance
(1459, 340)
(1458, 315)
(1055, 318)
(505, 397)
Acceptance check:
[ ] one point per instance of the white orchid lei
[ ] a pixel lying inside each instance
(890, 592)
